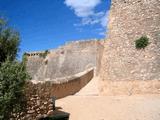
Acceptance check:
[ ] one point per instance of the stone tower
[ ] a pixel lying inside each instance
(124, 68)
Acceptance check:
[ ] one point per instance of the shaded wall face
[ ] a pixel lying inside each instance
(71, 61)
(128, 21)
(34, 64)
(99, 55)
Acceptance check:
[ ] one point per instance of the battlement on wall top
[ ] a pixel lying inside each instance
(38, 53)
(29, 54)
(128, 2)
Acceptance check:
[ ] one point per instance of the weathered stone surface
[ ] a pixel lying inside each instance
(128, 21)
(50, 112)
(64, 61)
(31, 111)
(39, 94)
(124, 69)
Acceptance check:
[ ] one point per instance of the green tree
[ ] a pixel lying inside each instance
(13, 74)
(9, 42)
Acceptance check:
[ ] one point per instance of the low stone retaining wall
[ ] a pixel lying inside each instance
(39, 94)
(130, 87)
(61, 87)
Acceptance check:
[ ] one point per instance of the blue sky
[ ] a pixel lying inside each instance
(46, 24)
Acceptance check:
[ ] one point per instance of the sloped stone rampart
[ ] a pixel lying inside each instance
(64, 61)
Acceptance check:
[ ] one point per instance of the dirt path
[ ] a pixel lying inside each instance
(111, 107)
(91, 89)
(87, 105)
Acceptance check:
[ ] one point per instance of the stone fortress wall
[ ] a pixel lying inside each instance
(121, 67)
(67, 60)
(124, 68)
(62, 72)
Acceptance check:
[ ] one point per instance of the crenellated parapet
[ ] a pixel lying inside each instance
(60, 48)
(34, 54)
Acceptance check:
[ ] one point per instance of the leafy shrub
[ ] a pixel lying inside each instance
(24, 58)
(142, 42)
(13, 74)
(12, 80)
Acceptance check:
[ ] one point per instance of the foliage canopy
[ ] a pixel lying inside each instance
(142, 42)
(12, 82)
(9, 42)
(13, 74)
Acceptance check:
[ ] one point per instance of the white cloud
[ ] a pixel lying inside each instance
(94, 19)
(83, 8)
(104, 19)
(102, 33)
(98, 18)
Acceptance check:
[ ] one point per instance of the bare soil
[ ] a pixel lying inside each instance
(135, 107)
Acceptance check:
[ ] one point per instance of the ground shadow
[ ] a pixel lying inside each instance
(57, 114)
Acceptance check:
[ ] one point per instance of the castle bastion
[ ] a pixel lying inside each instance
(125, 69)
